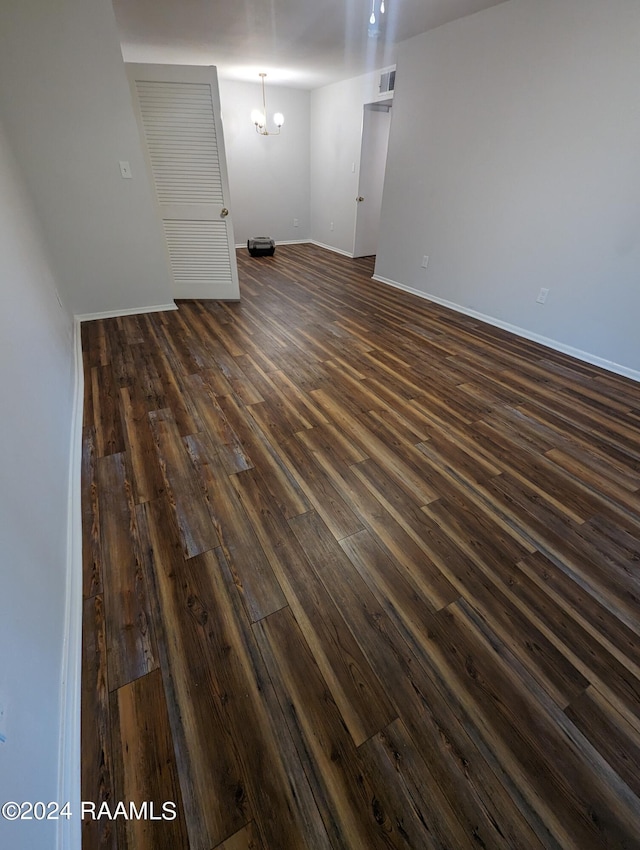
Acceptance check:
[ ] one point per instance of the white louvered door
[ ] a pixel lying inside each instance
(178, 112)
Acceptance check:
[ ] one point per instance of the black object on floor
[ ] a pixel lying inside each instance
(261, 246)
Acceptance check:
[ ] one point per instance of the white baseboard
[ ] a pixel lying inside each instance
(585, 356)
(307, 242)
(68, 836)
(131, 311)
(331, 248)
(279, 242)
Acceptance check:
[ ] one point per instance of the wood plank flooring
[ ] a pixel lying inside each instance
(359, 572)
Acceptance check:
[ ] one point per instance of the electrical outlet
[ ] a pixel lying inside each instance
(331, 226)
(125, 170)
(542, 296)
(425, 262)
(295, 222)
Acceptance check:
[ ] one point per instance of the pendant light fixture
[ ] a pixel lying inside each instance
(372, 18)
(259, 117)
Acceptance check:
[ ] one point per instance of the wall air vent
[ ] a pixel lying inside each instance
(387, 81)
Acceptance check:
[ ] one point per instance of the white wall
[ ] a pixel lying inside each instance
(513, 163)
(268, 176)
(336, 134)
(36, 365)
(69, 117)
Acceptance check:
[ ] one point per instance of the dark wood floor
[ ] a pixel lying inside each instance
(359, 572)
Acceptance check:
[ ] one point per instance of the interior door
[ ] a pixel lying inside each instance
(178, 112)
(376, 121)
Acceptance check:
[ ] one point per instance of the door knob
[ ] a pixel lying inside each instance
(359, 199)
(224, 212)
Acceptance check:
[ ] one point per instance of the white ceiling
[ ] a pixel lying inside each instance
(300, 43)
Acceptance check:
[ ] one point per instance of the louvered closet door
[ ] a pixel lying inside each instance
(178, 110)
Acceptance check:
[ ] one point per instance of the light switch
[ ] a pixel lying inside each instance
(125, 170)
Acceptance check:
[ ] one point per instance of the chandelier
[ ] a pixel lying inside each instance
(259, 117)
(372, 19)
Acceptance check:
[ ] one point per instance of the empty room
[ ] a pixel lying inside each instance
(320, 521)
